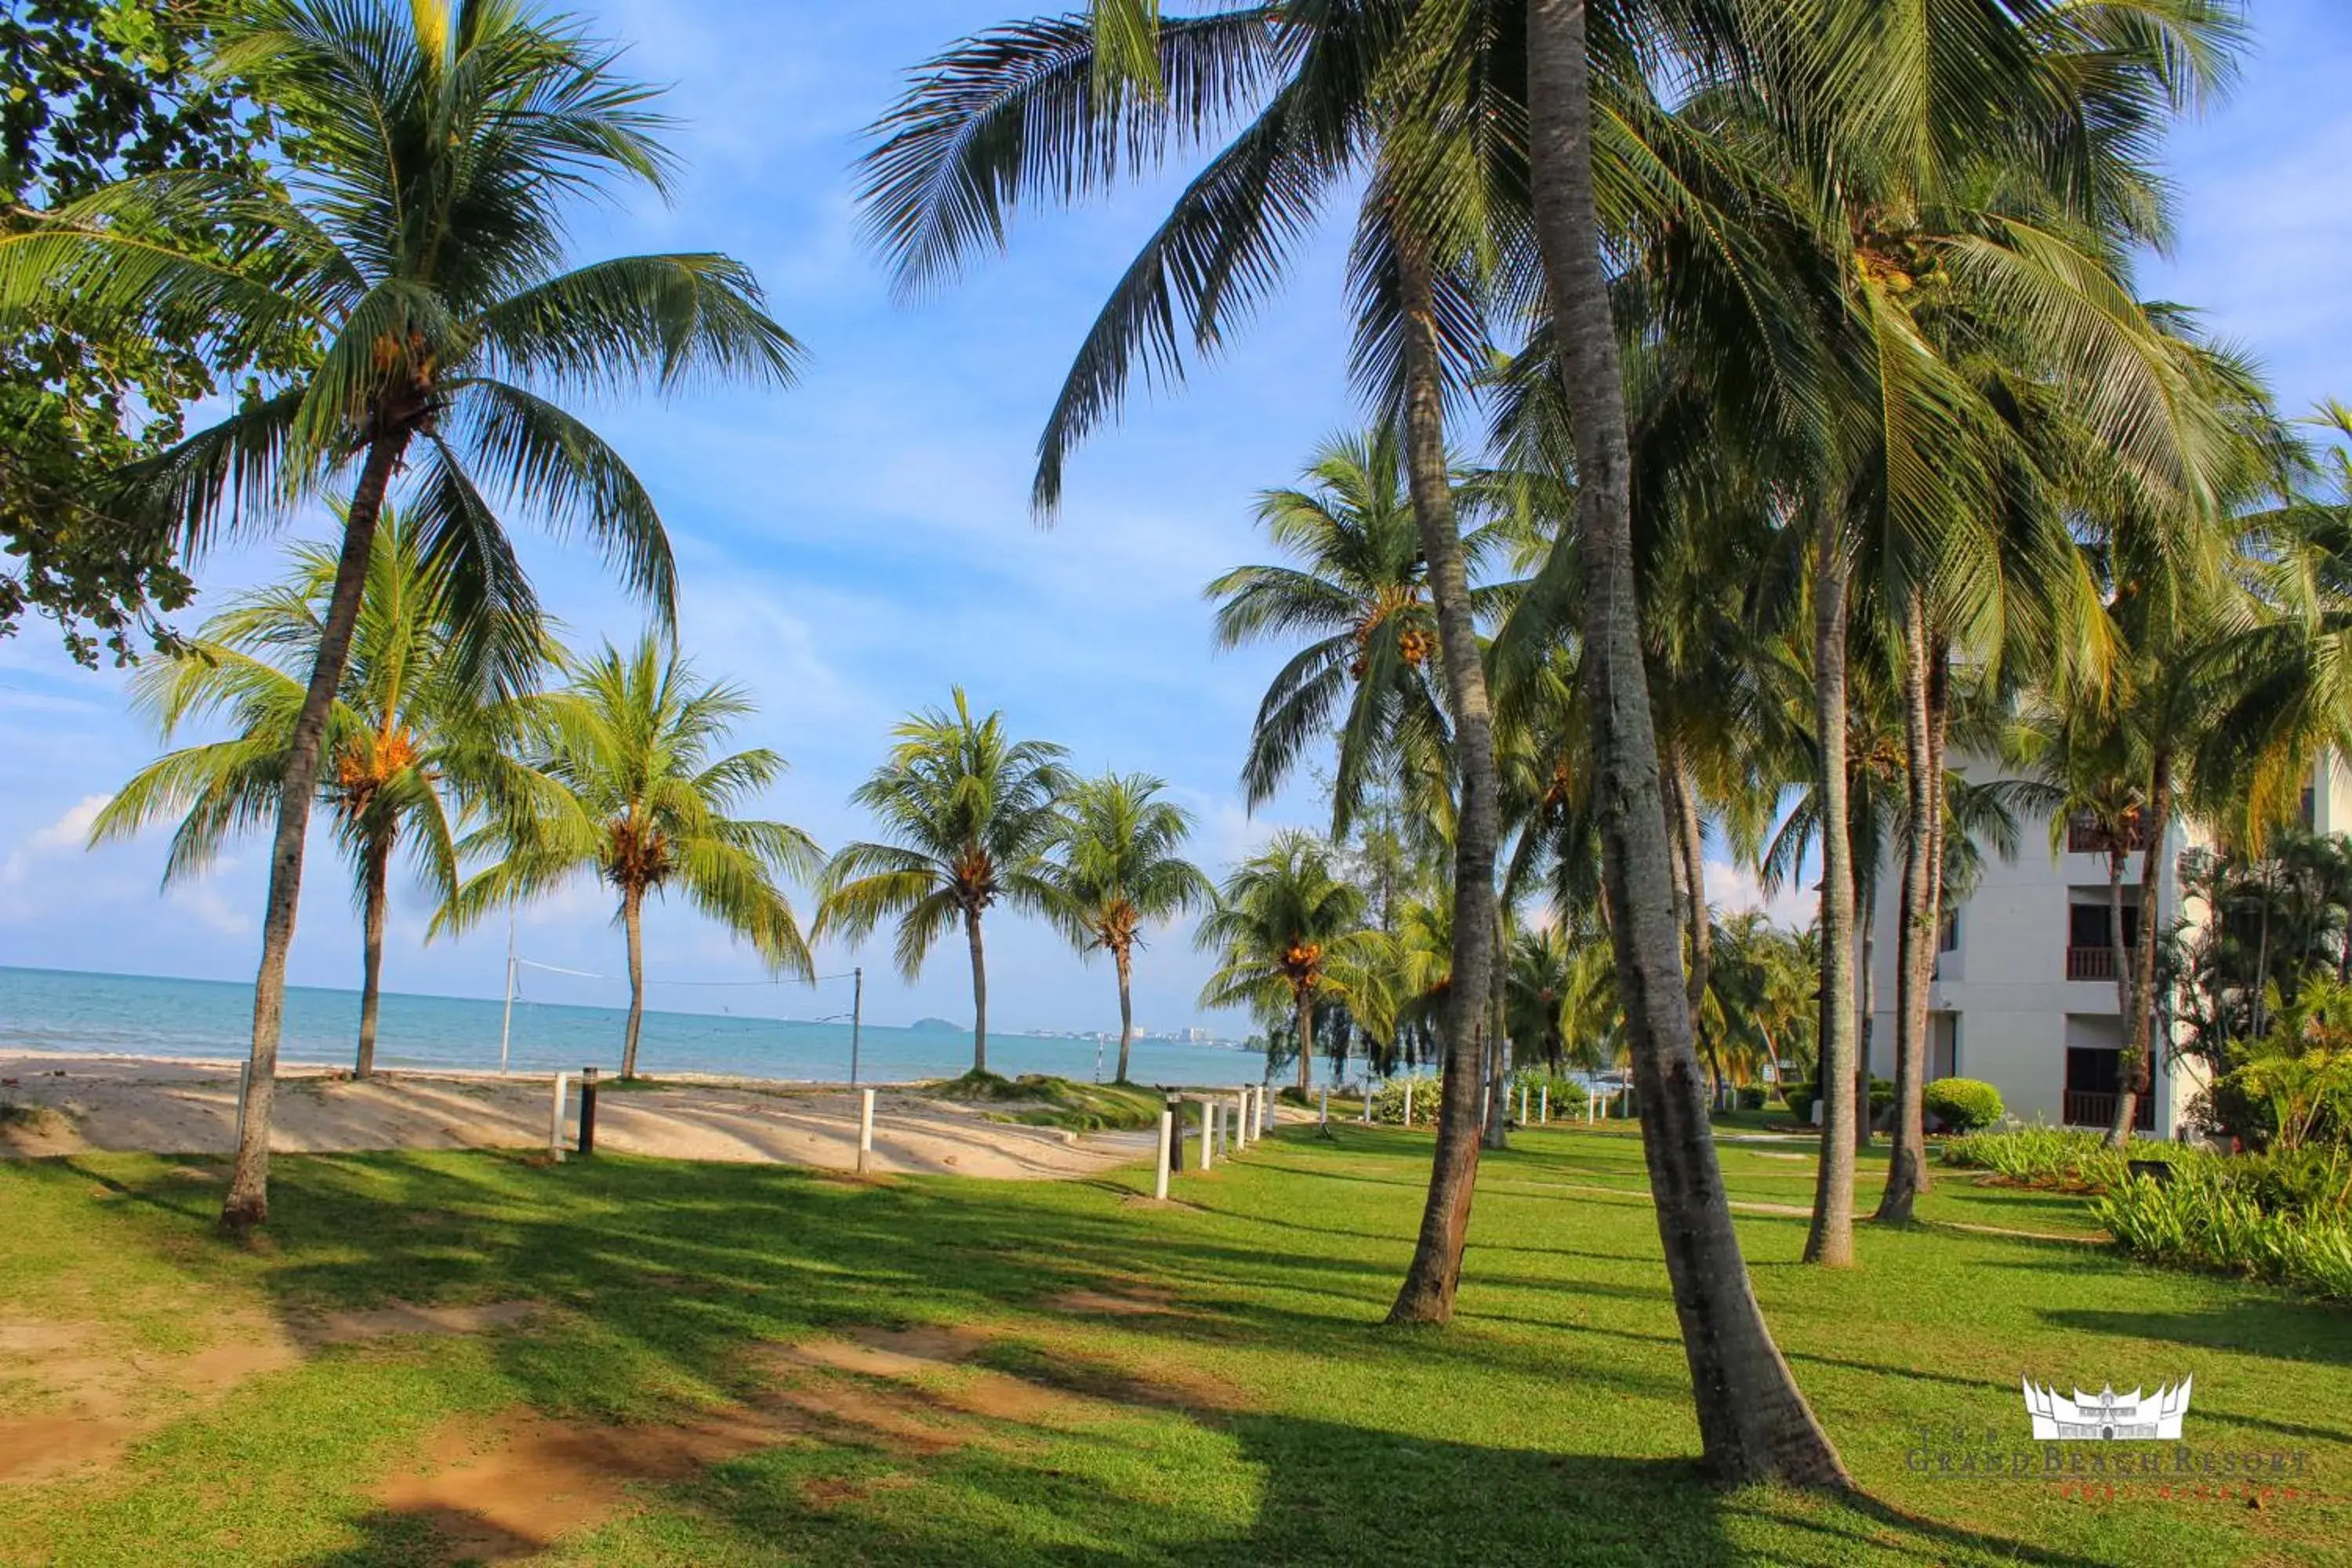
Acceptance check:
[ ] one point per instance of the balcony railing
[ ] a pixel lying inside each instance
(2087, 1110)
(2091, 962)
(2084, 836)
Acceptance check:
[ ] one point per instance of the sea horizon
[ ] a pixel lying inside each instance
(102, 1012)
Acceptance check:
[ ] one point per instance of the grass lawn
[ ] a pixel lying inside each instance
(745, 1365)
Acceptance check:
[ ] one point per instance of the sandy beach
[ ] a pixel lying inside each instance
(67, 1103)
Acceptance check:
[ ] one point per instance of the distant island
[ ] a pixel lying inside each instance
(940, 1026)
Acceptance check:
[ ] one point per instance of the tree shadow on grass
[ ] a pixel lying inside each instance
(1321, 1492)
(2252, 1323)
(675, 1271)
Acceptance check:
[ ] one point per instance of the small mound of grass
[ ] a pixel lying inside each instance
(616, 1084)
(34, 1123)
(1039, 1099)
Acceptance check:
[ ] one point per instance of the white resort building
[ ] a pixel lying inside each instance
(2024, 995)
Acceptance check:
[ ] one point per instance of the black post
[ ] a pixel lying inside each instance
(587, 1111)
(1176, 1133)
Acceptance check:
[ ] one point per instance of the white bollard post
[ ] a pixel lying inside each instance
(1368, 1098)
(1543, 1108)
(1408, 1101)
(1208, 1134)
(1592, 1099)
(864, 1128)
(1242, 1129)
(1324, 1119)
(1167, 1127)
(1523, 1105)
(555, 1120)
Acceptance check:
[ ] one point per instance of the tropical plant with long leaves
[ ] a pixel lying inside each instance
(1358, 596)
(970, 816)
(412, 737)
(621, 773)
(420, 240)
(1119, 867)
(1289, 934)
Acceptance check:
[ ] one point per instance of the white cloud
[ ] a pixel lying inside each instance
(67, 832)
(1734, 889)
(211, 909)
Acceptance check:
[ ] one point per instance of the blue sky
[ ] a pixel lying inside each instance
(857, 545)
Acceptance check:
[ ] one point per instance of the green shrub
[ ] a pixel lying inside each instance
(1962, 1104)
(1800, 1097)
(1750, 1097)
(1388, 1101)
(2283, 1217)
(2055, 1156)
(2207, 1217)
(2296, 1181)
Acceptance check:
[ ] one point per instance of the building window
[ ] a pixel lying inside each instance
(2087, 926)
(1947, 938)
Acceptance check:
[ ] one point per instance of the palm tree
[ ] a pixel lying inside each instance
(419, 239)
(1052, 109)
(1119, 868)
(1360, 592)
(621, 774)
(405, 735)
(1289, 933)
(971, 816)
(1762, 993)
(1755, 1424)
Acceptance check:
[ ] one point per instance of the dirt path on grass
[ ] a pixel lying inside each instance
(77, 1393)
(504, 1487)
(63, 1105)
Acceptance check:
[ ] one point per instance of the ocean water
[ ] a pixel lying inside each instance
(73, 1010)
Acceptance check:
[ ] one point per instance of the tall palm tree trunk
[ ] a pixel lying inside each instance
(1497, 1135)
(248, 1202)
(1693, 833)
(1771, 1054)
(978, 992)
(2262, 960)
(1865, 1028)
(2117, 953)
(1427, 1293)
(1830, 1239)
(375, 868)
(1304, 1002)
(632, 920)
(1915, 937)
(1125, 1010)
(1754, 1424)
(2139, 1048)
